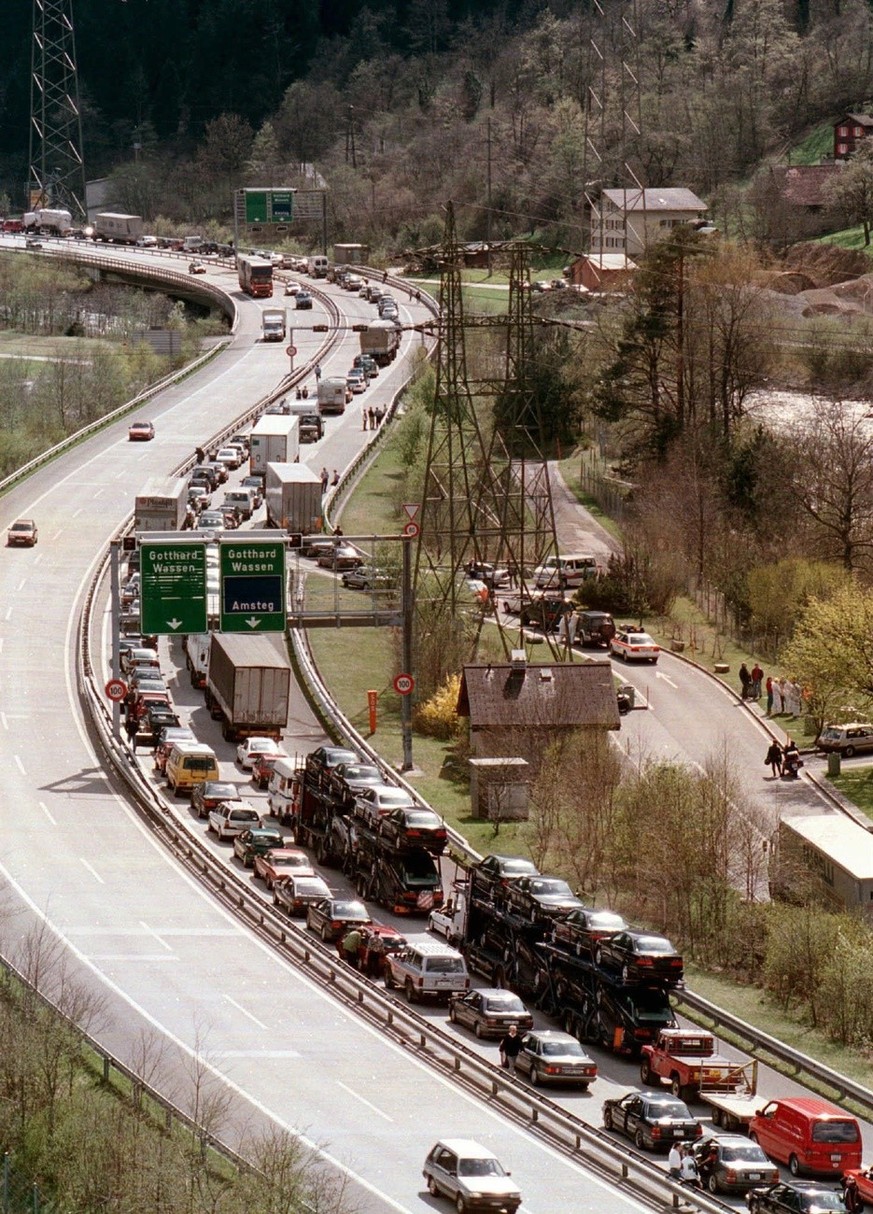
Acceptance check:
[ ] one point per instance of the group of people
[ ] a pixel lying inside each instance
(782, 695)
(684, 1166)
(750, 681)
(784, 761)
(371, 419)
(327, 479)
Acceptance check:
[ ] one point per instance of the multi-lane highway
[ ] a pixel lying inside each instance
(158, 953)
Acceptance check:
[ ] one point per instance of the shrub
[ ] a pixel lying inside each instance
(437, 717)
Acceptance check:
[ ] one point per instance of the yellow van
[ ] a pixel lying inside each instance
(190, 763)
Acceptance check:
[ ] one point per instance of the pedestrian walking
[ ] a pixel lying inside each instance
(768, 687)
(745, 681)
(380, 414)
(199, 454)
(510, 1048)
(757, 676)
(774, 759)
(317, 372)
(131, 727)
(371, 413)
(334, 480)
(325, 480)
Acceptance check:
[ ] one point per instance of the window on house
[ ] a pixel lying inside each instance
(842, 131)
(858, 132)
(842, 149)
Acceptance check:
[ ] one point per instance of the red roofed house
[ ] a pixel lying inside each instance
(849, 132)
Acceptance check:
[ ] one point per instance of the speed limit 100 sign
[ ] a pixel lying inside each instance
(116, 690)
(403, 684)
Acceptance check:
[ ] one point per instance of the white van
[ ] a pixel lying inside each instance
(280, 790)
(317, 266)
(562, 571)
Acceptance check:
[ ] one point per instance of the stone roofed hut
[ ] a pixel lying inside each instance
(518, 709)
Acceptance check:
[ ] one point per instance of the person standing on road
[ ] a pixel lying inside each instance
(325, 480)
(768, 687)
(317, 372)
(688, 1173)
(774, 759)
(510, 1048)
(131, 726)
(745, 681)
(352, 942)
(674, 1161)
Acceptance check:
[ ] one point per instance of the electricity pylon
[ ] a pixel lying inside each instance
(57, 166)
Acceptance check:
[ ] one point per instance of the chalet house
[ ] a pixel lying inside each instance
(629, 221)
(849, 133)
(602, 271)
(517, 709)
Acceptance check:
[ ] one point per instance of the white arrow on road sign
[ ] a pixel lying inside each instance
(174, 624)
(253, 621)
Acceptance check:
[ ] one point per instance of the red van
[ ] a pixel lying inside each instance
(809, 1135)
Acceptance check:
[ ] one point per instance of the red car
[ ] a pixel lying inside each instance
(377, 940)
(262, 769)
(141, 432)
(280, 862)
(858, 1187)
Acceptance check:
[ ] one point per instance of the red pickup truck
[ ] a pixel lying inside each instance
(686, 1058)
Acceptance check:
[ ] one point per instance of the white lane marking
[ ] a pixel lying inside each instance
(100, 958)
(155, 936)
(76, 513)
(22, 584)
(254, 1054)
(57, 535)
(373, 1108)
(47, 812)
(244, 1012)
(1, 644)
(667, 679)
(99, 491)
(20, 765)
(3, 720)
(38, 558)
(8, 615)
(92, 870)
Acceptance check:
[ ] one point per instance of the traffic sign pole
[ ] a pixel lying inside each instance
(406, 700)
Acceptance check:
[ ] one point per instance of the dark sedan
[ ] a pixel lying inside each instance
(585, 927)
(731, 1163)
(798, 1197)
(640, 957)
(489, 1013)
(535, 897)
(343, 556)
(346, 780)
(330, 917)
(652, 1121)
(321, 762)
(495, 874)
(211, 793)
(405, 827)
(256, 841)
(549, 1056)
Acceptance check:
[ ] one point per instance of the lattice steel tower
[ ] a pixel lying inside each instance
(57, 166)
(487, 496)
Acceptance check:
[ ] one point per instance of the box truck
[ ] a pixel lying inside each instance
(119, 229)
(333, 395)
(248, 686)
(275, 439)
(381, 341)
(273, 324)
(161, 504)
(293, 496)
(48, 222)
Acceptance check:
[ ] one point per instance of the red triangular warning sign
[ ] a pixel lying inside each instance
(411, 508)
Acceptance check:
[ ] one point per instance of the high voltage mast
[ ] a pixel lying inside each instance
(57, 167)
(487, 495)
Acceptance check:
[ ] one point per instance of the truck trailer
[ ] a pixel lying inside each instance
(255, 276)
(273, 324)
(48, 222)
(275, 439)
(119, 229)
(333, 394)
(293, 496)
(161, 504)
(248, 685)
(381, 341)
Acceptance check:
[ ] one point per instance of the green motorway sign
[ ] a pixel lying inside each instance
(256, 206)
(173, 587)
(252, 585)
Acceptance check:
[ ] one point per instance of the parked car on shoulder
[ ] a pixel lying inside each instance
(549, 1056)
(846, 740)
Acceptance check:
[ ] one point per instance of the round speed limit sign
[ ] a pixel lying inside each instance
(290, 351)
(403, 684)
(116, 690)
